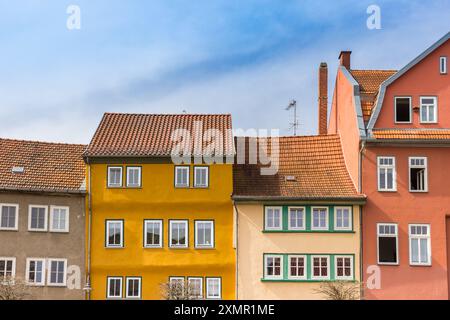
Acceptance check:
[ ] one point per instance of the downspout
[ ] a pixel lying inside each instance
(361, 266)
(88, 275)
(237, 248)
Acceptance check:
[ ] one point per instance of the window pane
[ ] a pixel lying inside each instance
(424, 250)
(402, 110)
(387, 249)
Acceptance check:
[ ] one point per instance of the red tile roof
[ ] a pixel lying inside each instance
(149, 135)
(411, 134)
(52, 167)
(316, 162)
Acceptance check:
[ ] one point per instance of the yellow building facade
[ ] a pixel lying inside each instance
(154, 223)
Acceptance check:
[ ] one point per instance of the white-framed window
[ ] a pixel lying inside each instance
(7, 268)
(320, 267)
(59, 219)
(9, 216)
(201, 177)
(37, 218)
(114, 177)
(182, 177)
(195, 287)
(213, 288)
(133, 288)
(343, 218)
(114, 290)
(443, 65)
(403, 110)
(418, 174)
(297, 267)
(296, 218)
(134, 177)
(57, 272)
(419, 244)
(386, 174)
(114, 233)
(35, 271)
(273, 218)
(179, 233)
(428, 109)
(177, 288)
(319, 218)
(273, 266)
(387, 243)
(153, 230)
(204, 234)
(344, 267)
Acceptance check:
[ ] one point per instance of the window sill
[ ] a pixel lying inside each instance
(106, 247)
(418, 191)
(388, 264)
(36, 230)
(420, 265)
(8, 229)
(387, 191)
(205, 248)
(155, 247)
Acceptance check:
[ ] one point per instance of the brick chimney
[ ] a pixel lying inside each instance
(323, 98)
(344, 59)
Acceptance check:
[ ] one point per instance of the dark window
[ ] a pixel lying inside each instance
(402, 110)
(388, 249)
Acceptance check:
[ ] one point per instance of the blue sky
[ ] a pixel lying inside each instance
(247, 58)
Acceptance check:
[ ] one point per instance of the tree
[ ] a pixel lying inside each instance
(14, 289)
(339, 290)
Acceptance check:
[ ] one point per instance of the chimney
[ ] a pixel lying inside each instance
(323, 98)
(344, 59)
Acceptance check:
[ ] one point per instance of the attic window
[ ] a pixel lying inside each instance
(403, 109)
(18, 170)
(290, 178)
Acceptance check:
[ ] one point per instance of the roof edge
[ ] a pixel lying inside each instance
(357, 198)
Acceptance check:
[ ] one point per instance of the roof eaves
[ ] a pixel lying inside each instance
(357, 198)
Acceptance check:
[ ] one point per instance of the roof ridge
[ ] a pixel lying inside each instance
(379, 70)
(168, 114)
(44, 142)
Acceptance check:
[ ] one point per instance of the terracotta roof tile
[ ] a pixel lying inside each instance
(412, 134)
(54, 167)
(149, 135)
(316, 162)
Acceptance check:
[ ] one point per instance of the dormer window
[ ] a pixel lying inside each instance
(403, 110)
(428, 109)
(443, 65)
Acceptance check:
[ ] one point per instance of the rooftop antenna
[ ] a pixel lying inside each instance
(295, 124)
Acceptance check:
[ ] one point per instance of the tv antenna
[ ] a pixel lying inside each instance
(293, 125)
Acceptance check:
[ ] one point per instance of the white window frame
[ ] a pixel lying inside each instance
(188, 183)
(202, 246)
(196, 185)
(44, 272)
(45, 229)
(115, 185)
(443, 65)
(109, 287)
(49, 269)
(290, 227)
(107, 244)
(183, 280)
(273, 277)
(127, 287)
(13, 267)
(435, 109)
(352, 275)
(410, 109)
(266, 227)
(305, 259)
(350, 218)
(208, 296)
(201, 287)
(390, 236)
(139, 169)
(418, 166)
(328, 268)
(394, 173)
(327, 215)
(427, 236)
(66, 229)
(16, 226)
(160, 223)
(186, 245)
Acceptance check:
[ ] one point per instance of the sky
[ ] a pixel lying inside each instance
(244, 57)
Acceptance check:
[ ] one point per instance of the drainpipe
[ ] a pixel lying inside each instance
(88, 275)
(237, 246)
(361, 266)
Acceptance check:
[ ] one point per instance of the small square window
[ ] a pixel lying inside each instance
(179, 234)
(37, 218)
(57, 269)
(201, 177)
(195, 287)
(182, 177)
(342, 218)
(177, 290)
(321, 267)
(443, 65)
(213, 288)
(7, 269)
(114, 177)
(297, 267)
(273, 218)
(204, 234)
(403, 109)
(35, 273)
(153, 233)
(9, 216)
(296, 218)
(59, 219)
(344, 267)
(273, 267)
(319, 218)
(114, 233)
(114, 290)
(134, 177)
(133, 288)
